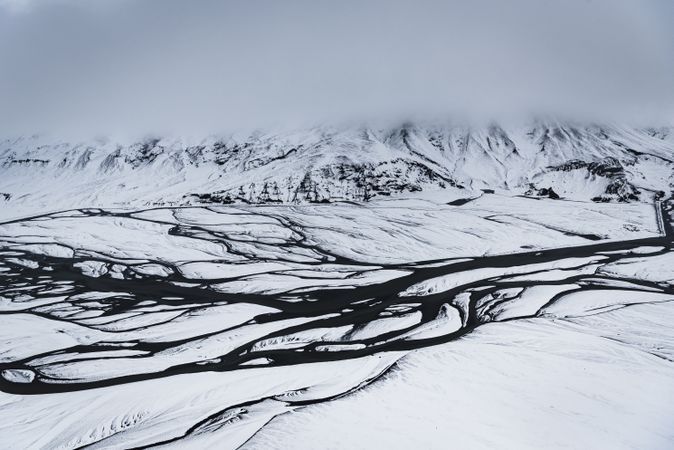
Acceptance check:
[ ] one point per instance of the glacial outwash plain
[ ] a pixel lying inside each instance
(416, 286)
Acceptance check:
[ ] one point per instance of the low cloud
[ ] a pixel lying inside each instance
(104, 66)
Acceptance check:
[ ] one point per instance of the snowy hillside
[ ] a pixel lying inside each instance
(328, 164)
(175, 294)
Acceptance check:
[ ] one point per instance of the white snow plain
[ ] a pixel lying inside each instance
(503, 323)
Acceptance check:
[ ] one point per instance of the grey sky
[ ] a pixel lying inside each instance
(108, 66)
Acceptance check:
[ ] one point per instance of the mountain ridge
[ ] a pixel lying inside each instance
(607, 163)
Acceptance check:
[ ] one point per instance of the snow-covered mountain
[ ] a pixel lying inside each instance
(252, 327)
(328, 164)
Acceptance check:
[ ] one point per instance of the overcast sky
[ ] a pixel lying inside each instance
(109, 66)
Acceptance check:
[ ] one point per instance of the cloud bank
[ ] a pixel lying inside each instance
(107, 66)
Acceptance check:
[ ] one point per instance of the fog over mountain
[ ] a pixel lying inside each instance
(307, 224)
(136, 67)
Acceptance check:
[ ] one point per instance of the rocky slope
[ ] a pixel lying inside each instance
(327, 164)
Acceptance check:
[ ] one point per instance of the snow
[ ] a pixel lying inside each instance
(656, 268)
(141, 413)
(588, 302)
(451, 281)
(528, 302)
(92, 268)
(447, 321)
(523, 385)
(301, 339)
(504, 321)
(40, 174)
(18, 375)
(275, 283)
(23, 335)
(382, 326)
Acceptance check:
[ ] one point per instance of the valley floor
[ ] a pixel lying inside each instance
(502, 322)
